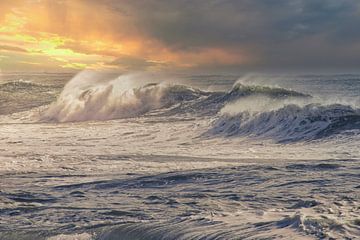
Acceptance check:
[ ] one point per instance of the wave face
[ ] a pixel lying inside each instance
(290, 122)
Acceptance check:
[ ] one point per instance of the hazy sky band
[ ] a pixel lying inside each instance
(181, 35)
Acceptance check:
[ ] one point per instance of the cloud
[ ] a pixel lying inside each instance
(12, 48)
(131, 63)
(201, 34)
(278, 33)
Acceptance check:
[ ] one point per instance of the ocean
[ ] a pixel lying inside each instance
(148, 156)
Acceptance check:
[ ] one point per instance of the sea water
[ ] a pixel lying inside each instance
(144, 156)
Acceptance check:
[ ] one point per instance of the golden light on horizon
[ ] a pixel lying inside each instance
(53, 35)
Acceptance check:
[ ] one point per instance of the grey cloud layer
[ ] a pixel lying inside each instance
(280, 33)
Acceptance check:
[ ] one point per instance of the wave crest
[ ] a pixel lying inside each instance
(240, 89)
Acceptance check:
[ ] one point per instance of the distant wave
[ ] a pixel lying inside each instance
(16, 85)
(23, 86)
(240, 89)
(21, 95)
(289, 123)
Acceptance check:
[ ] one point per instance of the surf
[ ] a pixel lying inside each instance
(245, 110)
(88, 96)
(289, 123)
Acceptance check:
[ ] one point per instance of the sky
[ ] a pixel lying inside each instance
(180, 35)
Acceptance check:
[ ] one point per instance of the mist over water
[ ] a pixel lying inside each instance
(144, 156)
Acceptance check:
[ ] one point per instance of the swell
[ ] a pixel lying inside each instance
(13, 86)
(20, 95)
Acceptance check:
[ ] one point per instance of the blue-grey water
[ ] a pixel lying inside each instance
(141, 156)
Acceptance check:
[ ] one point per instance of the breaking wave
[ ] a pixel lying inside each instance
(89, 97)
(245, 110)
(290, 122)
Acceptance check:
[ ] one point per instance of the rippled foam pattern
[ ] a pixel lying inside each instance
(249, 202)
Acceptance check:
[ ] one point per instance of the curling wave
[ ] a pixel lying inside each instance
(86, 99)
(290, 123)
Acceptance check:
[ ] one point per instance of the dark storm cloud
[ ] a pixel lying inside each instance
(186, 34)
(294, 33)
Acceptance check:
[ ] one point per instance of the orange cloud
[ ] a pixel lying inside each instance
(80, 34)
(12, 48)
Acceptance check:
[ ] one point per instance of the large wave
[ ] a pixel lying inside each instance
(89, 97)
(245, 110)
(288, 123)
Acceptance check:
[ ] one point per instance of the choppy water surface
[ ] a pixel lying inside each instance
(198, 157)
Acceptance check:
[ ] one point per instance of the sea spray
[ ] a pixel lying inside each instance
(90, 96)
